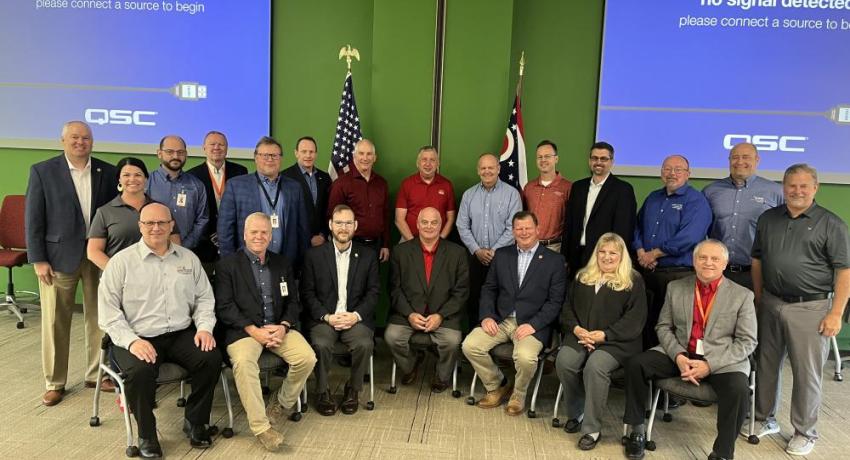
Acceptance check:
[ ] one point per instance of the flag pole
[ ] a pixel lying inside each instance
(521, 73)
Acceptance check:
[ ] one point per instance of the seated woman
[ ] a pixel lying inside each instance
(603, 320)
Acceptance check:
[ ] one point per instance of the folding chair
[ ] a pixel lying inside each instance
(422, 341)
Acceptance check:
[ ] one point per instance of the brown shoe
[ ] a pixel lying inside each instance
(105, 385)
(52, 397)
(275, 412)
(438, 386)
(495, 398)
(350, 401)
(410, 377)
(271, 439)
(515, 405)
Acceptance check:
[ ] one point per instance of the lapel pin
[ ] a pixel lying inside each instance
(356, 255)
(98, 169)
(540, 256)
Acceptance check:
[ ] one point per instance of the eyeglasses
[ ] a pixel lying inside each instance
(155, 223)
(546, 157)
(675, 171)
(343, 223)
(268, 156)
(600, 159)
(173, 152)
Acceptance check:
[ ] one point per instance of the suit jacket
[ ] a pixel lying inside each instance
(613, 211)
(319, 282)
(620, 314)
(55, 229)
(237, 299)
(316, 213)
(447, 292)
(730, 335)
(242, 198)
(206, 250)
(537, 301)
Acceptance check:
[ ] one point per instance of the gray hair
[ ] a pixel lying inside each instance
(801, 168)
(67, 125)
(258, 215)
(723, 247)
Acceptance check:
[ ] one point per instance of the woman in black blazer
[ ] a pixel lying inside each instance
(603, 320)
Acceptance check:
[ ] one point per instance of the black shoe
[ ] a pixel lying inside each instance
(572, 426)
(150, 448)
(199, 435)
(635, 446)
(438, 386)
(713, 456)
(350, 401)
(326, 405)
(587, 442)
(702, 404)
(674, 403)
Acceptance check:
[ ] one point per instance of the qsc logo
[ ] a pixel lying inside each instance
(120, 117)
(767, 142)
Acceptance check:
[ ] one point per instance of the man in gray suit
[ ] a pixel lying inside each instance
(706, 331)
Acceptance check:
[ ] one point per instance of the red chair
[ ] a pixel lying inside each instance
(13, 253)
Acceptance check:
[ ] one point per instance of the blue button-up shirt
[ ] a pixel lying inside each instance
(673, 223)
(263, 282)
(736, 211)
(192, 218)
(270, 187)
(484, 219)
(310, 178)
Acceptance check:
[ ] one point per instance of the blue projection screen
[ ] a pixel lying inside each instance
(695, 77)
(135, 70)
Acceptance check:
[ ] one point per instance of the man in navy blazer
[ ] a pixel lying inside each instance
(316, 185)
(520, 302)
(269, 192)
(63, 194)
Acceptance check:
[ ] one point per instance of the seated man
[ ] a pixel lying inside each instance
(260, 315)
(429, 288)
(707, 331)
(520, 303)
(340, 286)
(157, 305)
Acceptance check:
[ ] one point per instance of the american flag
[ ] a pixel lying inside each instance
(347, 131)
(512, 160)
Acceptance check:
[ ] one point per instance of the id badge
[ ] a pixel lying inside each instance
(275, 221)
(181, 199)
(700, 351)
(284, 289)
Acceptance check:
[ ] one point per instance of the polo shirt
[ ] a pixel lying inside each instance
(415, 194)
(549, 204)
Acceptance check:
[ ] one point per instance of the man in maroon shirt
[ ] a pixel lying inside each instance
(547, 196)
(426, 188)
(366, 193)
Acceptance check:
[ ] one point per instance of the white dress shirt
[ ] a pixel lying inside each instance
(592, 194)
(82, 185)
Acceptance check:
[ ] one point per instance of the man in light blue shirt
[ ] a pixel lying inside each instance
(484, 224)
(184, 194)
(737, 202)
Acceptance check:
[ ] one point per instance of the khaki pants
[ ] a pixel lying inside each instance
(244, 354)
(477, 348)
(57, 303)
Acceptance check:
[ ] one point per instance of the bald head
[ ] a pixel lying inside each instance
(155, 224)
(488, 169)
(429, 223)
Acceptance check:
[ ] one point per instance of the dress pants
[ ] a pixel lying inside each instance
(656, 282)
(477, 348)
(477, 276)
(447, 341)
(731, 406)
(359, 340)
(244, 354)
(791, 329)
(586, 378)
(57, 303)
(177, 347)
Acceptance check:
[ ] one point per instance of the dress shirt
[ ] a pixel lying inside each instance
(217, 177)
(269, 188)
(484, 218)
(523, 260)
(593, 190)
(343, 258)
(674, 223)
(368, 199)
(310, 178)
(706, 297)
(428, 256)
(549, 204)
(192, 218)
(263, 282)
(737, 209)
(82, 185)
(144, 295)
(415, 194)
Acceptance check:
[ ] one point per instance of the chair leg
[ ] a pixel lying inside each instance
(370, 405)
(752, 438)
(471, 398)
(393, 389)
(95, 417)
(655, 397)
(555, 421)
(225, 387)
(532, 413)
(181, 401)
(839, 376)
(455, 391)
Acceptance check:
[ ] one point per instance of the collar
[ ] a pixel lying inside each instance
(419, 180)
(600, 184)
(214, 169)
(304, 170)
(710, 287)
(355, 173)
(168, 176)
(679, 191)
(747, 182)
(145, 251)
(496, 186)
(117, 202)
(266, 180)
(432, 251)
(338, 253)
(73, 168)
(530, 251)
(539, 180)
(806, 213)
(255, 258)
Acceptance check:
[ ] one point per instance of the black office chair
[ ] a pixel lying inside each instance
(421, 341)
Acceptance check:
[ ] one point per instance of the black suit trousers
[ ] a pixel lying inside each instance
(359, 340)
(656, 288)
(477, 276)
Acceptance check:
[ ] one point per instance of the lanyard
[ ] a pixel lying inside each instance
(707, 310)
(273, 204)
(217, 188)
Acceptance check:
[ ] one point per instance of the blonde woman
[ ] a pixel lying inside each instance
(603, 319)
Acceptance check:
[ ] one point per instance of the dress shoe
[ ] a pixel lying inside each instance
(587, 442)
(701, 404)
(275, 412)
(496, 397)
(438, 386)
(674, 403)
(52, 397)
(410, 377)
(572, 426)
(713, 456)
(515, 405)
(199, 435)
(105, 385)
(326, 405)
(150, 448)
(271, 439)
(635, 446)
(350, 401)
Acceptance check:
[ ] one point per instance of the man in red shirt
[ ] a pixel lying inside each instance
(547, 196)
(426, 188)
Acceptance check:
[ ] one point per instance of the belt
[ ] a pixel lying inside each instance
(550, 241)
(805, 298)
(738, 268)
(362, 240)
(677, 268)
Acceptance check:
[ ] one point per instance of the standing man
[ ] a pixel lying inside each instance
(174, 325)
(184, 194)
(801, 280)
(367, 194)
(274, 195)
(63, 194)
(429, 288)
(260, 316)
(340, 286)
(214, 173)
(547, 196)
(484, 225)
(426, 188)
(670, 223)
(737, 202)
(599, 204)
(315, 186)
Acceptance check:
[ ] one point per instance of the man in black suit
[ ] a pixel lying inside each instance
(429, 289)
(214, 173)
(257, 305)
(598, 204)
(63, 194)
(339, 284)
(316, 185)
(520, 303)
